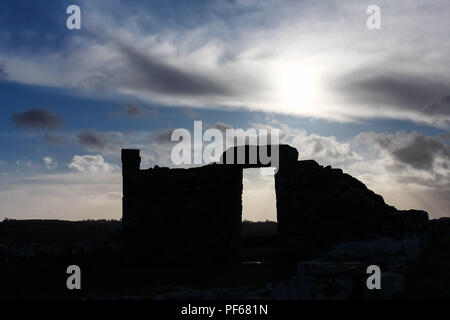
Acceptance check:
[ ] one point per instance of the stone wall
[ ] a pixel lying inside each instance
(318, 207)
(183, 215)
(195, 214)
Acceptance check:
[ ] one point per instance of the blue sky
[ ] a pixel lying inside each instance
(375, 103)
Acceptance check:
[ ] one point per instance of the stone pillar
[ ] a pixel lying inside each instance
(131, 162)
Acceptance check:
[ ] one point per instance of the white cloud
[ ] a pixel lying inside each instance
(92, 164)
(50, 163)
(312, 146)
(24, 164)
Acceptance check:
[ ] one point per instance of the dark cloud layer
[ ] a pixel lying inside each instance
(92, 139)
(438, 106)
(162, 137)
(399, 90)
(154, 75)
(420, 152)
(3, 74)
(416, 150)
(37, 119)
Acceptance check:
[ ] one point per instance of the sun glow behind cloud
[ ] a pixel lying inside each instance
(298, 88)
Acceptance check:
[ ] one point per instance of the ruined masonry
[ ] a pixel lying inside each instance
(194, 215)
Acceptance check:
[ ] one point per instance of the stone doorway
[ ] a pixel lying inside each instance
(259, 218)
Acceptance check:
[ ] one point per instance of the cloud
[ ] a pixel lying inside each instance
(313, 146)
(438, 106)
(135, 110)
(37, 119)
(259, 56)
(414, 149)
(153, 74)
(444, 136)
(411, 170)
(396, 160)
(3, 74)
(163, 137)
(50, 163)
(421, 152)
(27, 164)
(190, 113)
(405, 164)
(398, 89)
(92, 139)
(92, 164)
(53, 138)
(412, 166)
(108, 143)
(223, 126)
(424, 94)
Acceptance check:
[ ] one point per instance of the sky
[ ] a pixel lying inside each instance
(375, 103)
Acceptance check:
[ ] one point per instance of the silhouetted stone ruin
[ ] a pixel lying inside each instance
(195, 214)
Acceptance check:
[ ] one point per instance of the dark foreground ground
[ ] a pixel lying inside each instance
(104, 278)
